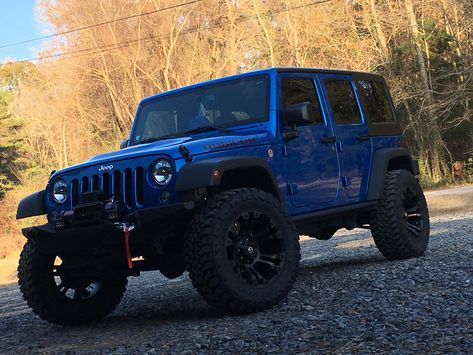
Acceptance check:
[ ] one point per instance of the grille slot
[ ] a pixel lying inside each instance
(116, 188)
(95, 183)
(84, 184)
(75, 191)
(139, 182)
(126, 186)
(106, 185)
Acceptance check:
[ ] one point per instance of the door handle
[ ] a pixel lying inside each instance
(363, 137)
(331, 139)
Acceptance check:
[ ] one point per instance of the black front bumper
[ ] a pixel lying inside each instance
(149, 221)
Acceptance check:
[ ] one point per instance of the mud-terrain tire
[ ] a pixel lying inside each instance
(42, 293)
(400, 225)
(242, 251)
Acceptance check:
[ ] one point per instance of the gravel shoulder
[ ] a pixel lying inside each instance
(347, 299)
(450, 200)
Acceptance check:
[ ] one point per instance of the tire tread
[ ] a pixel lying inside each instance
(385, 227)
(36, 295)
(203, 269)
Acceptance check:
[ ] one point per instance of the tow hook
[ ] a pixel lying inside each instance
(126, 228)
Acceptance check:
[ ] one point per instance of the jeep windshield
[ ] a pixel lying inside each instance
(211, 107)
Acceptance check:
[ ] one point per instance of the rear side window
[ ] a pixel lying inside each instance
(296, 91)
(376, 100)
(342, 101)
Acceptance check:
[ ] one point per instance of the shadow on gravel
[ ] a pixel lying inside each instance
(160, 307)
(336, 266)
(164, 309)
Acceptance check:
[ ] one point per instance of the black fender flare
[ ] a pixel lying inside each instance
(31, 205)
(199, 174)
(379, 168)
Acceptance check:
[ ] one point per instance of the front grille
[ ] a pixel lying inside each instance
(126, 186)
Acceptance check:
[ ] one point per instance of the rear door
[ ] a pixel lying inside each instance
(351, 132)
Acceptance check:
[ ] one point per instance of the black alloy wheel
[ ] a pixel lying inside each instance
(255, 249)
(74, 286)
(413, 219)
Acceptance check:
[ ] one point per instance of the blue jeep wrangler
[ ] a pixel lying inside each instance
(219, 179)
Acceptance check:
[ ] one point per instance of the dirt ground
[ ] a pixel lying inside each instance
(8, 269)
(450, 200)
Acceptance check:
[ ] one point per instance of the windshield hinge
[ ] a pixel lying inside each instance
(185, 153)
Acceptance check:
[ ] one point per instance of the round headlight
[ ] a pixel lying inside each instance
(162, 172)
(60, 191)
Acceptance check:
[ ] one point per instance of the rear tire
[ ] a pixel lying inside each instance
(242, 251)
(400, 226)
(59, 299)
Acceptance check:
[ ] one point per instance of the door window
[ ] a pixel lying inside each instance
(296, 91)
(342, 101)
(377, 104)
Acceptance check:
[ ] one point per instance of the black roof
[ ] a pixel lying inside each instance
(358, 74)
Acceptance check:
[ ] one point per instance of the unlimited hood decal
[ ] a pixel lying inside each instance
(228, 144)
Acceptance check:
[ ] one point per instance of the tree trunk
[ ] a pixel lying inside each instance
(379, 31)
(420, 55)
(435, 160)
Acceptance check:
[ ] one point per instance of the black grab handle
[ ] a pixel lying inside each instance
(363, 137)
(331, 139)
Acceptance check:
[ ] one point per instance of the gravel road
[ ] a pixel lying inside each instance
(347, 299)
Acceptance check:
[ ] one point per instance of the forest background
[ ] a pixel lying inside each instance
(78, 99)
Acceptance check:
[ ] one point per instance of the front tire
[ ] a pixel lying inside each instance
(242, 251)
(400, 225)
(65, 300)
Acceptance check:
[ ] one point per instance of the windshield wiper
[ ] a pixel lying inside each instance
(155, 139)
(207, 129)
(149, 140)
(195, 130)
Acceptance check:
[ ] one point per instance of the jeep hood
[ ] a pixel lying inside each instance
(198, 144)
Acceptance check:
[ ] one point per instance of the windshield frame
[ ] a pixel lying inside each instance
(185, 90)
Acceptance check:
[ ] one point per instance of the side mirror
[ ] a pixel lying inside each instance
(124, 144)
(298, 114)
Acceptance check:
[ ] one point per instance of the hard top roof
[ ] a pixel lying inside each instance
(323, 71)
(267, 71)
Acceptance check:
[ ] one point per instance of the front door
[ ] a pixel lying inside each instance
(312, 162)
(351, 131)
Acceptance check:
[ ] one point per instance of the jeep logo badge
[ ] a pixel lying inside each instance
(105, 167)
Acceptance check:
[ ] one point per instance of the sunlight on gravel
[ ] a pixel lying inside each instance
(363, 243)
